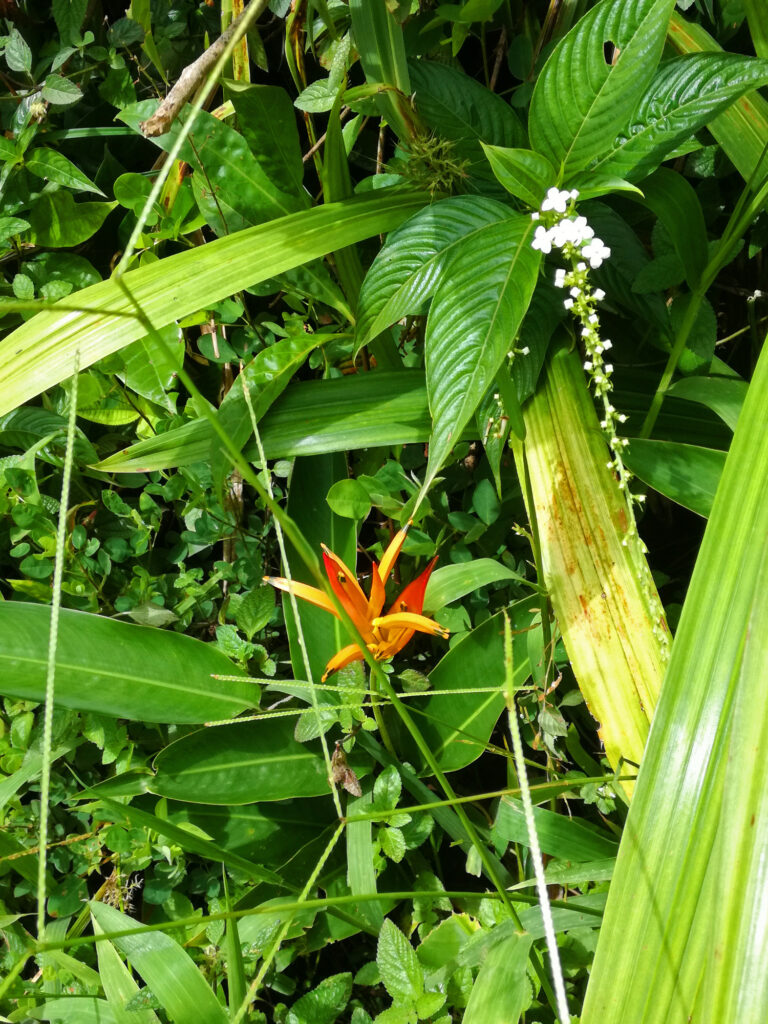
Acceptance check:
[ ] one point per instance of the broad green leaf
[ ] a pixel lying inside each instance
(234, 191)
(451, 582)
(242, 763)
(147, 368)
(168, 970)
(119, 985)
(324, 634)
(685, 473)
(686, 93)
(609, 613)
(57, 221)
(565, 838)
(116, 668)
(324, 1004)
(501, 987)
(408, 269)
(672, 198)
(51, 165)
(244, 194)
(182, 837)
(266, 117)
(348, 498)
(311, 418)
(690, 883)
(523, 173)
(60, 91)
(472, 324)
(75, 1010)
(401, 972)
(743, 129)
(457, 726)
(41, 352)
(724, 395)
(69, 15)
(463, 111)
(582, 100)
(18, 55)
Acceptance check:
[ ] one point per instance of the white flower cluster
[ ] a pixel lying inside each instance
(572, 234)
(576, 240)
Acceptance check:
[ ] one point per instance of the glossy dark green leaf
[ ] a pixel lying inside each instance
(583, 98)
(674, 201)
(267, 120)
(685, 473)
(50, 165)
(724, 395)
(684, 95)
(408, 269)
(56, 220)
(116, 668)
(457, 726)
(459, 109)
(242, 763)
(473, 321)
(523, 173)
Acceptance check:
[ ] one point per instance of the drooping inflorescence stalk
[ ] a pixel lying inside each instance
(584, 251)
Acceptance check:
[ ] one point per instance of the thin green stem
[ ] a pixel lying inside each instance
(482, 852)
(50, 679)
(533, 839)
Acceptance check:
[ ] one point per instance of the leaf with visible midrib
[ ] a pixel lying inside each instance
(474, 318)
(116, 668)
(580, 101)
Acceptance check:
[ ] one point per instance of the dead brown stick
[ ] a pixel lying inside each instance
(193, 75)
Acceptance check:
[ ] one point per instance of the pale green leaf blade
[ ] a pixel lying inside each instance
(116, 668)
(167, 969)
(523, 173)
(101, 319)
(119, 985)
(501, 986)
(724, 395)
(451, 582)
(472, 324)
(581, 101)
(672, 897)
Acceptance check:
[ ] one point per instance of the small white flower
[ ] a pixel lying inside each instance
(574, 193)
(560, 278)
(525, 351)
(598, 294)
(607, 343)
(542, 240)
(622, 417)
(588, 365)
(609, 367)
(568, 303)
(535, 215)
(593, 318)
(575, 291)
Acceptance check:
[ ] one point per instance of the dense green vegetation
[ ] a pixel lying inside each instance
(460, 301)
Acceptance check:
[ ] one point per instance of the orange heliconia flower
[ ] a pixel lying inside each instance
(384, 635)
